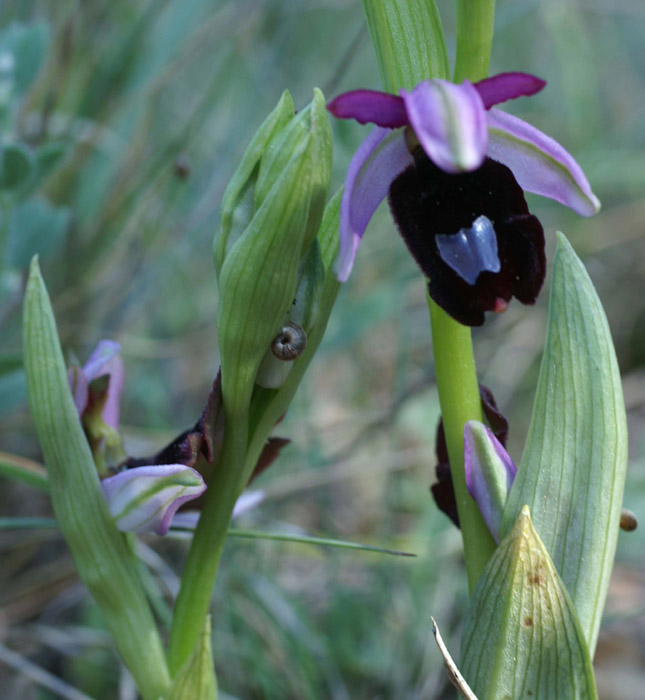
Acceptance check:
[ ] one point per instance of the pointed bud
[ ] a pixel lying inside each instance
(260, 270)
(145, 499)
(238, 200)
(291, 341)
(489, 473)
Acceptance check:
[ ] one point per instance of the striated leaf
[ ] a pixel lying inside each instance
(572, 472)
(522, 637)
(409, 41)
(102, 557)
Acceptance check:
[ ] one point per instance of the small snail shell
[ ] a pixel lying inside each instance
(628, 520)
(290, 342)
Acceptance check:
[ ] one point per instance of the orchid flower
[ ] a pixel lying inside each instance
(146, 497)
(455, 169)
(96, 388)
(105, 361)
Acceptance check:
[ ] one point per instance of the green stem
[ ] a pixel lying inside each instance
(452, 342)
(398, 45)
(475, 26)
(207, 546)
(245, 434)
(460, 402)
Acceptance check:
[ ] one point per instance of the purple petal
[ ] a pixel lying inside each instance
(490, 473)
(370, 106)
(102, 355)
(106, 360)
(508, 86)
(145, 499)
(450, 123)
(539, 163)
(377, 162)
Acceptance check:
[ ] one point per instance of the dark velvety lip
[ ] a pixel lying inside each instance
(427, 202)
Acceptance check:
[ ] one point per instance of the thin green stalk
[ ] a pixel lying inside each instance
(207, 546)
(397, 49)
(459, 398)
(475, 26)
(452, 342)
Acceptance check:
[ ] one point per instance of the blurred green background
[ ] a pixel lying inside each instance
(134, 115)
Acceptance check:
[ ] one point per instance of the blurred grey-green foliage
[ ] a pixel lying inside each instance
(130, 130)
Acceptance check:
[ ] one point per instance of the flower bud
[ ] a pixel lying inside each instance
(238, 200)
(489, 473)
(261, 266)
(145, 499)
(298, 321)
(97, 388)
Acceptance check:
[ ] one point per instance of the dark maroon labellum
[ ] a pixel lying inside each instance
(472, 236)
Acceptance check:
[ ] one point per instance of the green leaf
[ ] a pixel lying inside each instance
(572, 472)
(36, 228)
(103, 560)
(522, 637)
(16, 167)
(196, 678)
(409, 42)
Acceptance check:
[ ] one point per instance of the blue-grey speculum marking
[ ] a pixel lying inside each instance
(471, 251)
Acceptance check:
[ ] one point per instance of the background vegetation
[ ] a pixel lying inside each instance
(149, 106)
